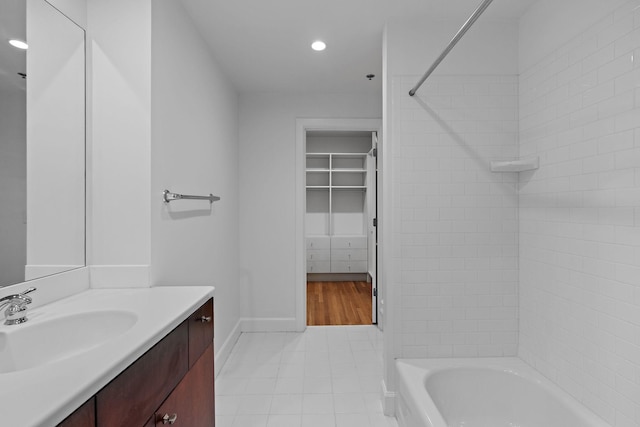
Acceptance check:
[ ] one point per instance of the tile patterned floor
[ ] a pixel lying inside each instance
(328, 376)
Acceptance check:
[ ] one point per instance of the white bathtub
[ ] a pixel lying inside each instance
(491, 392)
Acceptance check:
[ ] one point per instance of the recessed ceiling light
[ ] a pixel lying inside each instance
(19, 44)
(318, 45)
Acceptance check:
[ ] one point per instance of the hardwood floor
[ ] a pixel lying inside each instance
(338, 303)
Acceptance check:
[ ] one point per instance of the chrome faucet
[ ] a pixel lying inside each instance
(16, 311)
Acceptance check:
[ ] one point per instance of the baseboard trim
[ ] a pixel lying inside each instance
(255, 324)
(225, 349)
(388, 399)
(338, 277)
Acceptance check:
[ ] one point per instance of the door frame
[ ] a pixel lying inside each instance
(302, 126)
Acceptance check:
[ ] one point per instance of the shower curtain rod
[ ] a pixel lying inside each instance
(452, 43)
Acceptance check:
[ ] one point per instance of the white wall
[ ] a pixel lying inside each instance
(579, 215)
(451, 225)
(194, 151)
(119, 34)
(268, 198)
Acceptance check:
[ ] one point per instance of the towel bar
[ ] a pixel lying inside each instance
(168, 196)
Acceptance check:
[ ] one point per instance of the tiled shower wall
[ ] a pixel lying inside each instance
(580, 217)
(455, 222)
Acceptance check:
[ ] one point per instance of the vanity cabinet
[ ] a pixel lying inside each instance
(83, 416)
(192, 400)
(171, 384)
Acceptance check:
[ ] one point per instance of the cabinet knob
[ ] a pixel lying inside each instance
(204, 319)
(169, 419)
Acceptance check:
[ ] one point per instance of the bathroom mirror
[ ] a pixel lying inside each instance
(42, 142)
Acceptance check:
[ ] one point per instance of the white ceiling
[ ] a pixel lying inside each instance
(264, 45)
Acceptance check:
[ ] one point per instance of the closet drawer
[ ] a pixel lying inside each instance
(349, 266)
(320, 242)
(348, 242)
(349, 255)
(318, 267)
(318, 255)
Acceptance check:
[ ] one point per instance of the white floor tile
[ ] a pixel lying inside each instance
(255, 405)
(286, 404)
(324, 377)
(291, 370)
(289, 386)
(317, 385)
(317, 404)
(318, 420)
(227, 405)
(284, 420)
(224, 420)
(249, 421)
(349, 403)
(261, 386)
(346, 385)
(352, 420)
(231, 386)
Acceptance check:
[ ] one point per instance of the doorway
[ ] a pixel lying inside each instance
(338, 172)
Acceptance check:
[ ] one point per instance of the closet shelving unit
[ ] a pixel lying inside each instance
(336, 183)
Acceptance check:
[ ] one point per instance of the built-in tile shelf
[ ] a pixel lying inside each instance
(519, 165)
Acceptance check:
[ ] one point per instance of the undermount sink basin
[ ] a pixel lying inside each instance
(35, 344)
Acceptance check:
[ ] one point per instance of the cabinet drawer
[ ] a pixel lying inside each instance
(132, 397)
(200, 331)
(348, 242)
(319, 242)
(349, 267)
(349, 255)
(318, 267)
(191, 404)
(318, 255)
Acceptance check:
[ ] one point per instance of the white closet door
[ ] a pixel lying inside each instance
(371, 229)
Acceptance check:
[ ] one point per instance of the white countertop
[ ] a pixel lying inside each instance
(45, 395)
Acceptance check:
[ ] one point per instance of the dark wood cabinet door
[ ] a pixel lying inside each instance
(191, 404)
(200, 331)
(133, 396)
(84, 416)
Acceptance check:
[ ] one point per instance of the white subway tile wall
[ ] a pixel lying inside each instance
(455, 222)
(580, 217)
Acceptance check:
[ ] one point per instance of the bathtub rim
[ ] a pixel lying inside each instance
(409, 370)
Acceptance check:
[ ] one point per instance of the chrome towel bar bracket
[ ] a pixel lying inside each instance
(168, 196)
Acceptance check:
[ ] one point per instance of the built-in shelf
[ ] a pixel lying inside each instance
(519, 165)
(336, 196)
